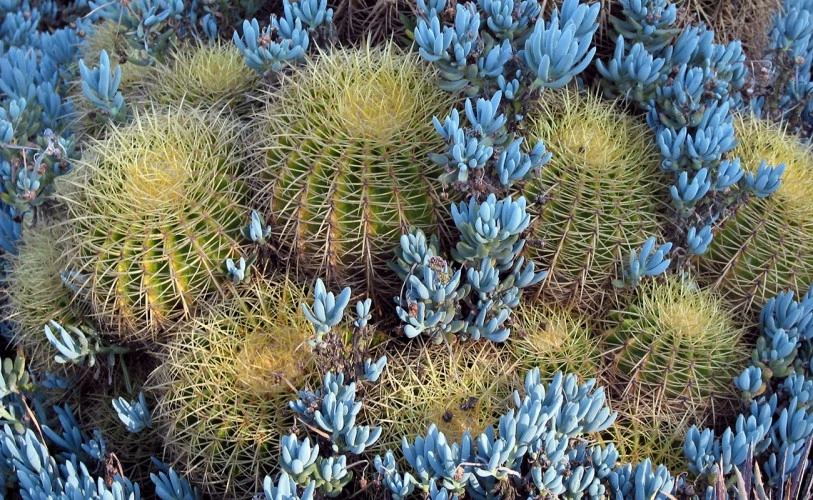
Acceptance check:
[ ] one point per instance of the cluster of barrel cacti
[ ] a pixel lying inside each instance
(245, 258)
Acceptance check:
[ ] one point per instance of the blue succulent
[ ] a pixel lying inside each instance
(135, 415)
(327, 311)
(698, 241)
(766, 180)
(101, 88)
(651, 262)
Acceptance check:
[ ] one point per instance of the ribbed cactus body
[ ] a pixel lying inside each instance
(226, 383)
(596, 199)
(160, 213)
(554, 340)
(676, 343)
(767, 245)
(214, 75)
(466, 389)
(38, 295)
(346, 171)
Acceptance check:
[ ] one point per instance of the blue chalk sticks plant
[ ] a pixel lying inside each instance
(198, 222)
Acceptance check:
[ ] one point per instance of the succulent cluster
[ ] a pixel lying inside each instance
(782, 88)
(159, 301)
(439, 302)
(771, 440)
(689, 87)
(504, 46)
(536, 449)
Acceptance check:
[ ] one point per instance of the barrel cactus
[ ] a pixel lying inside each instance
(676, 343)
(345, 145)
(37, 294)
(767, 245)
(554, 340)
(424, 384)
(226, 383)
(213, 75)
(597, 197)
(160, 212)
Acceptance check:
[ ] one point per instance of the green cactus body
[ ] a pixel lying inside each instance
(595, 200)
(676, 343)
(161, 211)
(37, 294)
(554, 340)
(346, 168)
(214, 75)
(466, 389)
(767, 245)
(225, 385)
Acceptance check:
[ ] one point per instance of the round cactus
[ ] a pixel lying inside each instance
(595, 200)
(161, 211)
(214, 75)
(677, 343)
(37, 294)
(465, 390)
(346, 143)
(554, 340)
(767, 245)
(226, 383)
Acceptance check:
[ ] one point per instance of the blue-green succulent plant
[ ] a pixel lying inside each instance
(284, 40)
(770, 441)
(439, 301)
(504, 45)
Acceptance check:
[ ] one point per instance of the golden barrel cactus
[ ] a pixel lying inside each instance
(159, 213)
(767, 245)
(596, 199)
(345, 170)
(224, 387)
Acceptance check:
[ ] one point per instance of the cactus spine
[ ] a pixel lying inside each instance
(160, 213)
(554, 340)
(595, 200)
(346, 168)
(767, 245)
